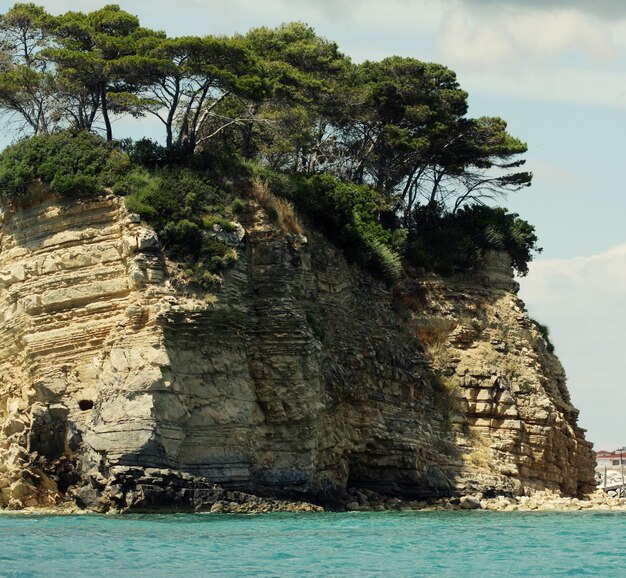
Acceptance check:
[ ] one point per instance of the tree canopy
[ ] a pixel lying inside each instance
(285, 99)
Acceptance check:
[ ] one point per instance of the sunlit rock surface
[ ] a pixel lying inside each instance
(301, 377)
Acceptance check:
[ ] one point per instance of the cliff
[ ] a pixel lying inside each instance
(301, 377)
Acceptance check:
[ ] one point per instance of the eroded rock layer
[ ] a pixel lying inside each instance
(301, 377)
(516, 424)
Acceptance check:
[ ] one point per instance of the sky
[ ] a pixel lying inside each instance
(555, 70)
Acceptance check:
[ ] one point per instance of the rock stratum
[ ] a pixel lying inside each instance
(301, 378)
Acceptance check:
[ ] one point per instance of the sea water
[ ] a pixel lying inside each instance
(458, 544)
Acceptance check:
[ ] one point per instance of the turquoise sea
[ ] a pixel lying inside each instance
(458, 544)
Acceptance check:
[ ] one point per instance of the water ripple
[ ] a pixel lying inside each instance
(441, 544)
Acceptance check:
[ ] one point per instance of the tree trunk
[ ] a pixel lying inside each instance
(246, 146)
(169, 123)
(105, 110)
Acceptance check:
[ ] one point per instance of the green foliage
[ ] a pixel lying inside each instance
(74, 164)
(348, 214)
(238, 206)
(146, 153)
(189, 84)
(211, 221)
(27, 88)
(455, 242)
(182, 238)
(183, 206)
(306, 76)
(387, 261)
(380, 154)
(95, 54)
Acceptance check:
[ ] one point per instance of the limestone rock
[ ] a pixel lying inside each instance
(230, 237)
(470, 503)
(299, 378)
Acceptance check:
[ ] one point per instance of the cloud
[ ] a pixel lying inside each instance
(551, 84)
(607, 9)
(582, 302)
(534, 50)
(523, 50)
(590, 288)
(60, 6)
(528, 39)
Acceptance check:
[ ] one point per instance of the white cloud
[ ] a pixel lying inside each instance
(513, 40)
(471, 44)
(554, 52)
(582, 302)
(608, 9)
(59, 6)
(589, 85)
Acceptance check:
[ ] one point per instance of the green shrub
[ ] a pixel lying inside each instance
(150, 154)
(71, 164)
(76, 185)
(136, 180)
(183, 239)
(144, 152)
(388, 262)
(238, 206)
(456, 242)
(210, 220)
(348, 214)
(182, 205)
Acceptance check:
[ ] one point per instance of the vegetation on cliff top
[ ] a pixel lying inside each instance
(380, 154)
(72, 164)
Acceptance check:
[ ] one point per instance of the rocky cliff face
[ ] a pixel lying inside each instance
(301, 377)
(515, 424)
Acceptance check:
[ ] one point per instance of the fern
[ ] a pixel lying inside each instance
(388, 262)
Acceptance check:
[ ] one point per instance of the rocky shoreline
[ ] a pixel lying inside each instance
(227, 502)
(539, 501)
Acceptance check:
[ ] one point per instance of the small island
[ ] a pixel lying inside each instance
(301, 297)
